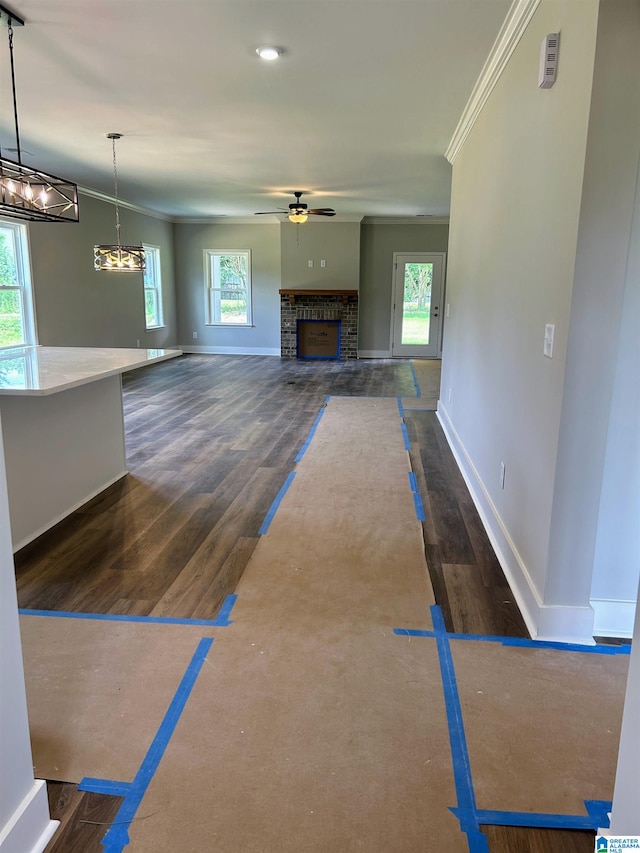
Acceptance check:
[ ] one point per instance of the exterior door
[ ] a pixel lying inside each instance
(417, 300)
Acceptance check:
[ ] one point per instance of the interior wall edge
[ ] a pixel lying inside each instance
(560, 623)
(511, 562)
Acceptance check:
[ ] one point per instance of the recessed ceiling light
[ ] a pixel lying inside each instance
(269, 53)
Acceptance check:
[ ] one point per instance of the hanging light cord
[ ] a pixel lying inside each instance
(113, 137)
(13, 89)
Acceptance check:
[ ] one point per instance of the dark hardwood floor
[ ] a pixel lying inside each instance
(210, 441)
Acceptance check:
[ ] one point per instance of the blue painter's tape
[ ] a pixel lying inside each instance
(222, 619)
(274, 506)
(400, 407)
(567, 647)
(599, 811)
(521, 642)
(419, 507)
(413, 632)
(405, 434)
(312, 431)
(115, 617)
(117, 837)
(413, 482)
(416, 384)
(105, 786)
(533, 819)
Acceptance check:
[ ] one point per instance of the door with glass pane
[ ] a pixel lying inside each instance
(417, 297)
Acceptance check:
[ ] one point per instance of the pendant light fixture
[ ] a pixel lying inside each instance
(116, 257)
(27, 193)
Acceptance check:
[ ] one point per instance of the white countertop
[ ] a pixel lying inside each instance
(37, 371)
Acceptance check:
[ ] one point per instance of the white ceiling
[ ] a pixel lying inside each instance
(357, 112)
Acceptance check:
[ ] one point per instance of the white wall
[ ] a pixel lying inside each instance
(515, 215)
(616, 568)
(600, 416)
(24, 811)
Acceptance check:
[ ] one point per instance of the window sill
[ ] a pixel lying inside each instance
(231, 325)
(155, 328)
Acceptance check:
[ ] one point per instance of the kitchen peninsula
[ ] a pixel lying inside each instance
(63, 428)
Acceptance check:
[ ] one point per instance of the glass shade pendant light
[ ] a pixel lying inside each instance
(25, 192)
(298, 217)
(116, 257)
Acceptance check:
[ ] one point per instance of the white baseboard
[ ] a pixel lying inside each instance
(613, 618)
(29, 828)
(374, 353)
(230, 350)
(558, 623)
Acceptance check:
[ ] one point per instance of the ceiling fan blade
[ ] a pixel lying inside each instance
(268, 212)
(323, 211)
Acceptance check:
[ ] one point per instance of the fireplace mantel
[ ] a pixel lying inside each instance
(345, 295)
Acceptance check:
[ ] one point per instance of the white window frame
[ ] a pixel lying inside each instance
(152, 278)
(213, 290)
(24, 287)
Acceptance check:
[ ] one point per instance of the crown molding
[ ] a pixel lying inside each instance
(405, 220)
(147, 211)
(511, 32)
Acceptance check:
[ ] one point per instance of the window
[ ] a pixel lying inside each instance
(152, 288)
(16, 308)
(228, 283)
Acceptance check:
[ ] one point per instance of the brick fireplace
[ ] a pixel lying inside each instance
(328, 305)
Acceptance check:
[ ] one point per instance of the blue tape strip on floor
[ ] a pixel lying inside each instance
(400, 406)
(522, 642)
(470, 817)
(405, 435)
(415, 381)
(417, 499)
(105, 786)
(312, 431)
(117, 837)
(274, 506)
(463, 781)
(592, 820)
(221, 620)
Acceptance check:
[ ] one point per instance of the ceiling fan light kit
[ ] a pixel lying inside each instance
(27, 193)
(115, 257)
(298, 211)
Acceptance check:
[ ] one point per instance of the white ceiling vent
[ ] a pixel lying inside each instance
(549, 60)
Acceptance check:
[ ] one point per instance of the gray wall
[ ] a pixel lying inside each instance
(337, 243)
(541, 219)
(515, 215)
(378, 242)
(263, 240)
(77, 306)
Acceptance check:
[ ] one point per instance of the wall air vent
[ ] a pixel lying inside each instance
(549, 60)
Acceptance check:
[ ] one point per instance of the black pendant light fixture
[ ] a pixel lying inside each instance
(116, 257)
(25, 192)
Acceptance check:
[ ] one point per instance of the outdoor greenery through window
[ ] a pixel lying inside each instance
(228, 283)
(152, 288)
(418, 278)
(16, 323)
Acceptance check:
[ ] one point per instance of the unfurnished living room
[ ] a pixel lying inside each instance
(320, 419)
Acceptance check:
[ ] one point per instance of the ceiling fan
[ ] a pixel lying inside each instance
(298, 211)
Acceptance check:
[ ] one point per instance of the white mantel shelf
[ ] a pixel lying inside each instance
(39, 371)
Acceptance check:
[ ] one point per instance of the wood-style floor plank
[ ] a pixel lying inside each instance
(210, 440)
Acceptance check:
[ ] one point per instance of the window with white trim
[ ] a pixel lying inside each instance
(16, 302)
(152, 288)
(228, 287)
